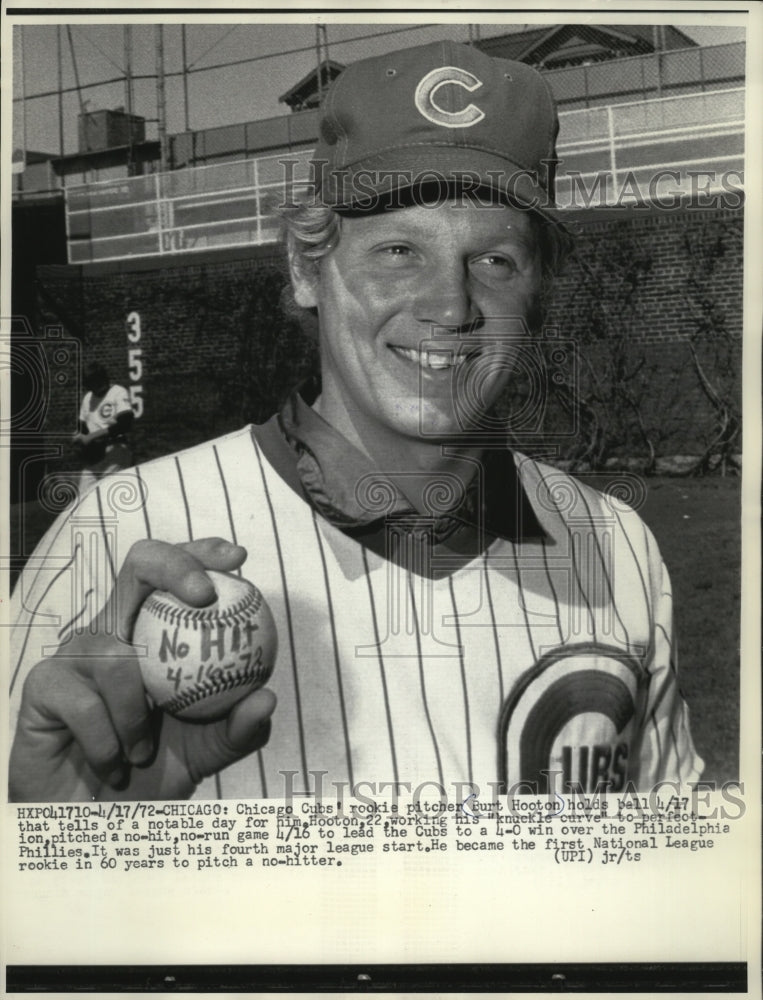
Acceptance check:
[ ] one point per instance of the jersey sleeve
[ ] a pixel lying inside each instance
(121, 400)
(84, 408)
(667, 749)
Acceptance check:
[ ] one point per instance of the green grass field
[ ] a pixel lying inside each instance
(697, 525)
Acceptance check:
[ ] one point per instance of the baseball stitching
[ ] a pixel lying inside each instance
(174, 614)
(200, 691)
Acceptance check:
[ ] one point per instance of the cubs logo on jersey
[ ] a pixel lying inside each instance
(570, 723)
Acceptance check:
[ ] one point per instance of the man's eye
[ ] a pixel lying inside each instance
(496, 265)
(397, 251)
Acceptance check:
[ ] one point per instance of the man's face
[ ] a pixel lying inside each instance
(460, 274)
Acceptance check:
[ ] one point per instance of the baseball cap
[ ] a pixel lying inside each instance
(436, 113)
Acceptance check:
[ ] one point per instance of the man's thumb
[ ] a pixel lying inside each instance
(216, 745)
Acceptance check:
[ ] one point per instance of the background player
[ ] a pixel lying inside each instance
(448, 613)
(105, 418)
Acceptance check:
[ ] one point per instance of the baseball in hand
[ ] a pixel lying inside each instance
(198, 662)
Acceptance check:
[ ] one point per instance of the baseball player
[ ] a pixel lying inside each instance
(451, 614)
(105, 417)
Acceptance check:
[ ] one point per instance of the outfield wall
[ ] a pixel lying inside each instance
(203, 344)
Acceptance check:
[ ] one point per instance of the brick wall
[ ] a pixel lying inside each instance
(693, 253)
(653, 302)
(217, 351)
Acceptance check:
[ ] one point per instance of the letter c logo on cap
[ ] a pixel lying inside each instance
(427, 89)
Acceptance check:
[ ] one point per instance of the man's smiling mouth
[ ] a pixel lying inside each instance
(433, 360)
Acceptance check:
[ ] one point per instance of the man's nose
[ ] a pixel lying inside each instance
(446, 300)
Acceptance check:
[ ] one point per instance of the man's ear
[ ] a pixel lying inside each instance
(304, 281)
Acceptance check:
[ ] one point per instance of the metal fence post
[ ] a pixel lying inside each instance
(256, 173)
(611, 135)
(68, 229)
(159, 219)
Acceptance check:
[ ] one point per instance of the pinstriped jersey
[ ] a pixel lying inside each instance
(535, 664)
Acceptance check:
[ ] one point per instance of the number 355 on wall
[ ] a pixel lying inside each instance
(135, 362)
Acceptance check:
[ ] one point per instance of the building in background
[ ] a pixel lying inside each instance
(565, 45)
(586, 66)
(633, 101)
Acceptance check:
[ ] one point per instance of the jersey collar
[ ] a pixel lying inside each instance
(324, 467)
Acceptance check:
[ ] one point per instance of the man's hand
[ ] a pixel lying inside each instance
(85, 730)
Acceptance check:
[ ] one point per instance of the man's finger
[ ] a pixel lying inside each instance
(156, 565)
(246, 728)
(121, 686)
(57, 705)
(216, 553)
